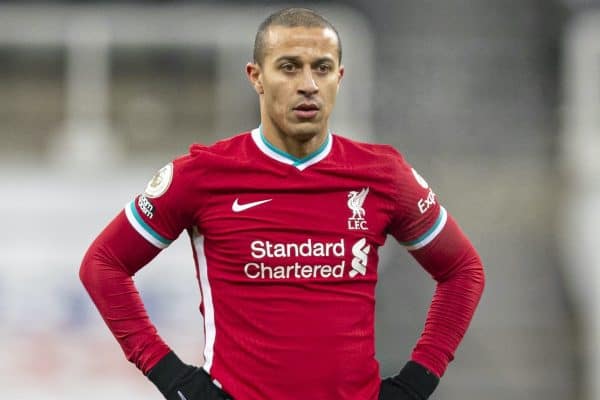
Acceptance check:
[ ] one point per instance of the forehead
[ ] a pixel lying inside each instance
(300, 41)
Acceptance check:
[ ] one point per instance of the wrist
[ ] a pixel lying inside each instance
(167, 371)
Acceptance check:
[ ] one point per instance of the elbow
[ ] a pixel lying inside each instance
(93, 266)
(86, 270)
(474, 273)
(471, 276)
(479, 277)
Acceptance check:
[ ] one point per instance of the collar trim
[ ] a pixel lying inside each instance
(279, 155)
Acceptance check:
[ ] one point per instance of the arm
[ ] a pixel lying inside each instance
(434, 239)
(148, 224)
(455, 265)
(106, 272)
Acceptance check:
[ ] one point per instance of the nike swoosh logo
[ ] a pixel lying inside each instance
(181, 396)
(237, 207)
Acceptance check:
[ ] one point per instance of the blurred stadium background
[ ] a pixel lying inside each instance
(495, 102)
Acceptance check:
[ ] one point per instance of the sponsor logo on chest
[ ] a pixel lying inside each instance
(265, 256)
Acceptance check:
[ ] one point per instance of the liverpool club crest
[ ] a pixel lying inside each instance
(355, 204)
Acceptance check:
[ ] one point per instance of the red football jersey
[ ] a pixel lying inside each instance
(286, 256)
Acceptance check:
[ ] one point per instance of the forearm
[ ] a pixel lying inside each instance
(106, 274)
(453, 262)
(458, 270)
(448, 318)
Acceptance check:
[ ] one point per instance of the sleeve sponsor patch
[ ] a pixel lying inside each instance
(145, 206)
(424, 203)
(418, 217)
(137, 221)
(160, 182)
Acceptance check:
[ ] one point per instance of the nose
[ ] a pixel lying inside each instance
(308, 86)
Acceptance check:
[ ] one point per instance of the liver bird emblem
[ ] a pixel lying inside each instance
(355, 203)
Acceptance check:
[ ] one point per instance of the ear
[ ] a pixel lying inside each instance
(340, 76)
(254, 74)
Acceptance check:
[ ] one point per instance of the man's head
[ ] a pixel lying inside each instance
(291, 18)
(296, 72)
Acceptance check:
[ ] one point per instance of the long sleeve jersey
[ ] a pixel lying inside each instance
(286, 255)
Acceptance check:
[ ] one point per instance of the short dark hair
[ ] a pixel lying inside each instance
(291, 18)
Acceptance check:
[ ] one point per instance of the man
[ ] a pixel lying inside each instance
(285, 222)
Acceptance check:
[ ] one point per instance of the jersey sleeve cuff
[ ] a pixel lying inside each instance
(145, 230)
(431, 233)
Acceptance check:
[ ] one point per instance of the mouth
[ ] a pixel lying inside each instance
(306, 110)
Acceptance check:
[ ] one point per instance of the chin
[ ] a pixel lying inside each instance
(305, 128)
(304, 133)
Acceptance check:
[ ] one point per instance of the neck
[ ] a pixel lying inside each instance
(299, 145)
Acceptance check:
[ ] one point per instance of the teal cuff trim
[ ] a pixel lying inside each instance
(441, 219)
(147, 227)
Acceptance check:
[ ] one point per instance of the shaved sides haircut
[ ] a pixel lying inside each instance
(291, 18)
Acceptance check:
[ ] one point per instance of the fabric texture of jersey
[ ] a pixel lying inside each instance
(286, 256)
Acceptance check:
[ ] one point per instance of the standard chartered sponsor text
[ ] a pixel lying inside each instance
(260, 270)
(308, 248)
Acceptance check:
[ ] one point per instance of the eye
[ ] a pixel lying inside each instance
(288, 67)
(324, 68)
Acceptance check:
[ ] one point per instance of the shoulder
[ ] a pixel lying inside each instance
(230, 146)
(384, 163)
(382, 156)
(203, 157)
(200, 162)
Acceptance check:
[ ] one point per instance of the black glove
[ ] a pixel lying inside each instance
(179, 381)
(414, 382)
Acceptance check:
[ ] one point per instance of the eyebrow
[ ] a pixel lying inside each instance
(297, 59)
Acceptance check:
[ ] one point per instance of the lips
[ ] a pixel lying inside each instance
(307, 107)
(306, 110)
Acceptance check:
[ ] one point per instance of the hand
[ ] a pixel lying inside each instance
(414, 382)
(179, 381)
(196, 385)
(391, 390)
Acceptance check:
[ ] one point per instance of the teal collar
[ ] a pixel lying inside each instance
(277, 154)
